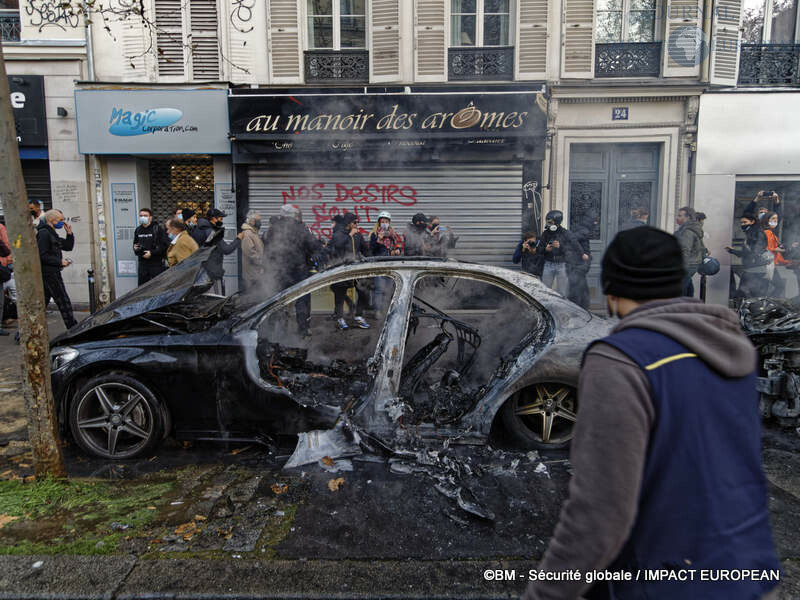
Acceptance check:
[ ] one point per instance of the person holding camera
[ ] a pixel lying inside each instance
(758, 205)
(530, 253)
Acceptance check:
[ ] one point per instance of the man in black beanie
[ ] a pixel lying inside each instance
(666, 452)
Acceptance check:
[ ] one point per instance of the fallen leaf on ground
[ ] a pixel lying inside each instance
(199, 518)
(186, 527)
(151, 508)
(335, 484)
(327, 460)
(236, 451)
(6, 519)
(225, 533)
(30, 479)
(280, 488)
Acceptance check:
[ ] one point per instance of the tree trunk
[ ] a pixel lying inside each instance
(35, 341)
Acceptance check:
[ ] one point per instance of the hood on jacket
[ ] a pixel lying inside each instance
(712, 332)
(695, 227)
(248, 227)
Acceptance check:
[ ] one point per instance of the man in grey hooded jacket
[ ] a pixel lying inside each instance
(666, 452)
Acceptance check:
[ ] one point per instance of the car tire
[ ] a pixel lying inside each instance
(114, 416)
(528, 412)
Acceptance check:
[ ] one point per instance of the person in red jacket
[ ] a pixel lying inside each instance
(774, 246)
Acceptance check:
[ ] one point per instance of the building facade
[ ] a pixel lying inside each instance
(615, 96)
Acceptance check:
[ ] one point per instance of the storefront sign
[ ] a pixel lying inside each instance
(152, 121)
(355, 118)
(27, 101)
(123, 200)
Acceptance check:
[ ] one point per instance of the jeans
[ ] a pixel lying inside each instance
(557, 272)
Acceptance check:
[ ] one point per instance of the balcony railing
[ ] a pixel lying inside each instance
(339, 66)
(628, 59)
(481, 64)
(9, 25)
(769, 64)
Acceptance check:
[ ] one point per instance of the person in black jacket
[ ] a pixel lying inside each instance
(579, 259)
(150, 244)
(348, 245)
(530, 252)
(755, 257)
(288, 252)
(50, 247)
(556, 241)
(216, 238)
(202, 230)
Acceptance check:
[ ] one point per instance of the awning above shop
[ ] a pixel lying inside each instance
(392, 123)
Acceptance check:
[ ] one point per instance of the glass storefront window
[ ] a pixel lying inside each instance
(765, 259)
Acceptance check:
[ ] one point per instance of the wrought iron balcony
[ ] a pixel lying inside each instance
(9, 25)
(494, 63)
(769, 64)
(338, 66)
(627, 59)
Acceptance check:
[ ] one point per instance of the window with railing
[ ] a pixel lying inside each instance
(770, 52)
(626, 37)
(480, 42)
(337, 41)
(9, 24)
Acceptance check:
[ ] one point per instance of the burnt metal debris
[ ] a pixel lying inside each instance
(773, 325)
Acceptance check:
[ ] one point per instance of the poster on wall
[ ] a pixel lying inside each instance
(123, 201)
(225, 200)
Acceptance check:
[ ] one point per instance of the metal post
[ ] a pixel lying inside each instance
(703, 288)
(92, 306)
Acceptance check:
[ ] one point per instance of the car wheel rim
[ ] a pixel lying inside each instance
(548, 411)
(115, 420)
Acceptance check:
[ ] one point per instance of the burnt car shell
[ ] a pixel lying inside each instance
(199, 352)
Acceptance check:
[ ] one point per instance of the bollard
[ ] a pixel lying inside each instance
(90, 274)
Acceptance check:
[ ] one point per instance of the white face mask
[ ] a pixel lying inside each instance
(773, 224)
(553, 227)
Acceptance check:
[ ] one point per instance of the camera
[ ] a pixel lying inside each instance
(768, 194)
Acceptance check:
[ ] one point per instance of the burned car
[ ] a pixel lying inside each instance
(773, 325)
(455, 351)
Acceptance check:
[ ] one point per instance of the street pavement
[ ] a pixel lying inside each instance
(255, 531)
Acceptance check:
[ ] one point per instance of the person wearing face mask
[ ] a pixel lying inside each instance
(35, 208)
(556, 242)
(51, 246)
(690, 237)
(666, 453)
(774, 245)
(758, 205)
(252, 252)
(215, 229)
(189, 217)
(417, 238)
(755, 258)
(181, 244)
(384, 240)
(150, 245)
(442, 238)
(348, 245)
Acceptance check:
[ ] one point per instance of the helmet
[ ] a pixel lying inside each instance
(710, 266)
(384, 214)
(556, 216)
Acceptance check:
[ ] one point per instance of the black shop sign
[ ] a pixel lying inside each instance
(27, 101)
(294, 120)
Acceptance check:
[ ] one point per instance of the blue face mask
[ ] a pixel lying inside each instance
(191, 224)
(143, 220)
(172, 236)
(59, 225)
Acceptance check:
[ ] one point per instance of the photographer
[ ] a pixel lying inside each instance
(531, 253)
(755, 258)
(758, 206)
(442, 238)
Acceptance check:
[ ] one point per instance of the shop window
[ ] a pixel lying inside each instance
(459, 338)
(180, 184)
(187, 40)
(755, 270)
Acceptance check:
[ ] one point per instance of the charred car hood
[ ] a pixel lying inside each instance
(177, 284)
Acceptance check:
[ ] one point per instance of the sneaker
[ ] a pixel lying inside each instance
(361, 323)
(342, 324)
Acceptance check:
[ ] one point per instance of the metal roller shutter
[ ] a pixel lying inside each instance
(481, 203)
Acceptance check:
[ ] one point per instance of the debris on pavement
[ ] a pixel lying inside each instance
(335, 484)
